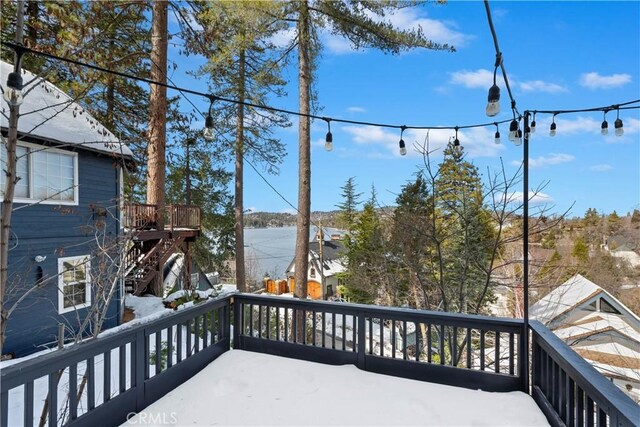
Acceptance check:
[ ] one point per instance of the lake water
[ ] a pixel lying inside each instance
(272, 249)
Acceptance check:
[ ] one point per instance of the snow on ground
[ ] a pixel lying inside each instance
(245, 388)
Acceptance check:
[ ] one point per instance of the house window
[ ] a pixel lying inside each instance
(195, 279)
(607, 308)
(74, 283)
(22, 166)
(47, 175)
(312, 272)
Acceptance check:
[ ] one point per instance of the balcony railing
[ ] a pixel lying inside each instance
(126, 371)
(140, 216)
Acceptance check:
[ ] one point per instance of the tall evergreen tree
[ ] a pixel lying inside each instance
(196, 176)
(244, 65)
(364, 24)
(349, 205)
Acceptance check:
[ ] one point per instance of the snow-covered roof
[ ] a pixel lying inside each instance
(563, 298)
(570, 295)
(594, 323)
(49, 113)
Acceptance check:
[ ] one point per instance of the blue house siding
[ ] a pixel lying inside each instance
(59, 231)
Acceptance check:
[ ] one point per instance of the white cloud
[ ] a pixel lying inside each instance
(283, 38)
(481, 78)
(601, 168)
(477, 142)
(438, 31)
(534, 199)
(552, 159)
(596, 81)
(541, 86)
(442, 32)
(356, 110)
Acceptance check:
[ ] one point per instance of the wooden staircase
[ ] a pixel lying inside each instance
(142, 267)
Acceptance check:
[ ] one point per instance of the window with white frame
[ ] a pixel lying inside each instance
(45, 174)
(74, 282)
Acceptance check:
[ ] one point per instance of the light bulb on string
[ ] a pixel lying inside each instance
(493, 101)
(401, 144)
(533, 124)
(328, 144)
(618, 125)
(513, 130)
(552, 128)
(13, 91)
(208, 122)
(493, 98)
(518, 139)
(604, 128)
(497, 135)
(456, 141)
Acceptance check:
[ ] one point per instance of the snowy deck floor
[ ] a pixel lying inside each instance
(246, 388)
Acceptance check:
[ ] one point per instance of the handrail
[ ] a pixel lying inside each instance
(145, 216)
(152, 359)
(571, 389)
(566, 388)
(455, 349)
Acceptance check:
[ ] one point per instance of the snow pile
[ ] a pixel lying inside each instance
(144, 306)
(245, 388)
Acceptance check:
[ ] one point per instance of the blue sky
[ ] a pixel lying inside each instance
(558, 55)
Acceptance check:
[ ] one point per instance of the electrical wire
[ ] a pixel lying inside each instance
(234, 101)
(499, 59)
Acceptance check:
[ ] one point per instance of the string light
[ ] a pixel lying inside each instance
(15, 82)
(552, 128)
(497, 136)
(456, 141)
(618, 124)
(328, 144)
(493, 99)
(533, 124)
(13, 92)
(403, 148)
(208, 122)
(513, 130)
(604, 128)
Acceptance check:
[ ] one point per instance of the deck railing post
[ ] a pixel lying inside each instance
(140, 361)
(523, 358)
(362, 337)
(237, 322)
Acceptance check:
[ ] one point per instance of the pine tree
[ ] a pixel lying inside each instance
(466, 234)
(196, 176)
(244, 65)
(364, 24)
(349, 205)
(614, 223)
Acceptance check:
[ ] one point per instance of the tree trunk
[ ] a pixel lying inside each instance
(33, 10)
(158, 121)
(241, 280)
(304, 160)
(9, 188)
(158, 112)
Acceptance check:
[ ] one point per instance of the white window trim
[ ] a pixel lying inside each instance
(88, 287)
(75, 201)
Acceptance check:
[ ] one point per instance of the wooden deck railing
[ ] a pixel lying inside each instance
(127, 371)
(141, 216)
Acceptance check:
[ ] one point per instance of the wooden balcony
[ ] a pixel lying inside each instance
(137, 366)
(139, 216)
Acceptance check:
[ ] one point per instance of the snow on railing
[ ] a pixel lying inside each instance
(110, 377)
